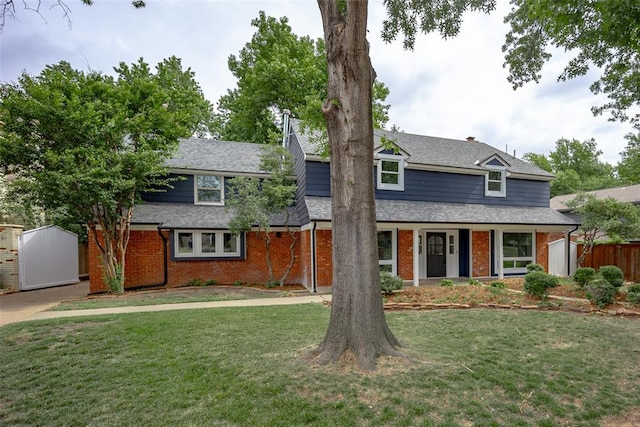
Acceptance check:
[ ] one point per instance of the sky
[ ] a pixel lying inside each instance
(446, 88)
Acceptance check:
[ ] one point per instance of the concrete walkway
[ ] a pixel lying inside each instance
(32, 305)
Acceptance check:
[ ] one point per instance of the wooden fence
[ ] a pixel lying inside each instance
(626, 256)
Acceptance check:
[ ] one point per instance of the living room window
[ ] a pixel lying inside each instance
(390, 172)
(496, 182)
(387, 250)
(209, 189)
(205, 244)
(517, 252)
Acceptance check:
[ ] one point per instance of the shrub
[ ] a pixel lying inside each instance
(389, 282)
(446, 282)
(612, 274)
(633, 294)
(497, 284)
(238, 283)
(600, 292)
(537, 283)
(584, 275)
(270, 284)
(534, 267)
(211, 282)
(474, 282)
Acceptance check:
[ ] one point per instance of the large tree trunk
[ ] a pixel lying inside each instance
(357, 321)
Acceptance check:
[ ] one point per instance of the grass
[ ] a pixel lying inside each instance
(86, 304)
(243, 366)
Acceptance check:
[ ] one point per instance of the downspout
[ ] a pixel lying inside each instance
(164, 265)
(568, 249)
(314, 284)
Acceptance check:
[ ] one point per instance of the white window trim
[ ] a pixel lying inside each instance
(401, 165)
(393, 262)
(196, 236)
(195, 190)
(503, 182)
(531, 259)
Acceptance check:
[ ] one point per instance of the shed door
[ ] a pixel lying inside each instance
(436, 254)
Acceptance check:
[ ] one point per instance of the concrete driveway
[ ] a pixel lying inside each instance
(23, 305)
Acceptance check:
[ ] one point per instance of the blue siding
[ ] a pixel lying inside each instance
(182, 192)
(299, 165)
(440, 187)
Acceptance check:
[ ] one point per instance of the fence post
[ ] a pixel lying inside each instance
(9, 266)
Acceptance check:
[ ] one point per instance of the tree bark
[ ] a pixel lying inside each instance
(357, 321)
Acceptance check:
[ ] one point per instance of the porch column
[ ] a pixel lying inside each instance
(498, 248)
(416, 257)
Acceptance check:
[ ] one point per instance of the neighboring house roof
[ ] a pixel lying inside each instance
(428, 151)
(184, 216)
(448, 213)
(219, 156)
(629, 193)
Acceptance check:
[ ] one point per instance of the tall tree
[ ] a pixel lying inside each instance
(604, 217)
(602, 34)
(629, 165)
(255, 201)
(278, 70)
(90, 144)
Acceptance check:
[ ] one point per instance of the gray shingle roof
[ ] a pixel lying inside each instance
(448, 213)
(182, 216)
(433, 151)
(219, 156)
(629, 193)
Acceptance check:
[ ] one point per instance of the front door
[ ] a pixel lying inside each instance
(436, 254)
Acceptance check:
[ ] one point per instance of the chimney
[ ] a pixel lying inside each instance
(471, 139)
(285, 127)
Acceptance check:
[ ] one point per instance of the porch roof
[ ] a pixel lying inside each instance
(184, 216)
(405, 211)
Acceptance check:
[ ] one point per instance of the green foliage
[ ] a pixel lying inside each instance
(238, 283)
(446, 282)
(389, 282)
(270, 284)
(86, 145)
(629, 165)
(602, 35)
(537, 283)
(612, 274)
(584, 275)
(633, 294)
(534, 267)
(600, 292)
(497, 284)
(278, 70)
(474, 282)
(115, 283)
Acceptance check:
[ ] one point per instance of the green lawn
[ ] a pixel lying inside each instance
(242, 366)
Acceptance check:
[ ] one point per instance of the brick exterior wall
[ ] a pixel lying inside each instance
(9, 267)
(324, 263)
(542, 249)
(405, 254)
(144, 265)
(481, 246)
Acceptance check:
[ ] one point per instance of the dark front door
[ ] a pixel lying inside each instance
(436, 255)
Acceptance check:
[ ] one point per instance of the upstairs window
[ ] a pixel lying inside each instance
(496, 182)
(209, 189)
(390, 172)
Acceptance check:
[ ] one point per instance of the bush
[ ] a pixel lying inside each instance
(389, 282)
(474, 282)
(538, 283)
(633, 294)
(612, 274)
(534, 267)
(584, 275)
(497, 284)
(446, 282)
(270, 284)
(600, 292)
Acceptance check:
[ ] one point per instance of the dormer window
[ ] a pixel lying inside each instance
(390, 172)
(496, 182)
(209, 189)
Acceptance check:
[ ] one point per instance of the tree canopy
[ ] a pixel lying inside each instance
(90, 144)
(278, 70)
(629, 165)
(604, 35)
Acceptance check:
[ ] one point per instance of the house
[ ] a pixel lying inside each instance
(445, 208)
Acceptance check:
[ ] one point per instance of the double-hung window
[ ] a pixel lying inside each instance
(390, 172)
(496, 182)
(206, 244)
(209, 189)
(517, 251)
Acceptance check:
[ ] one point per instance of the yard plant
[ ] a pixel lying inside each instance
(239, 366)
